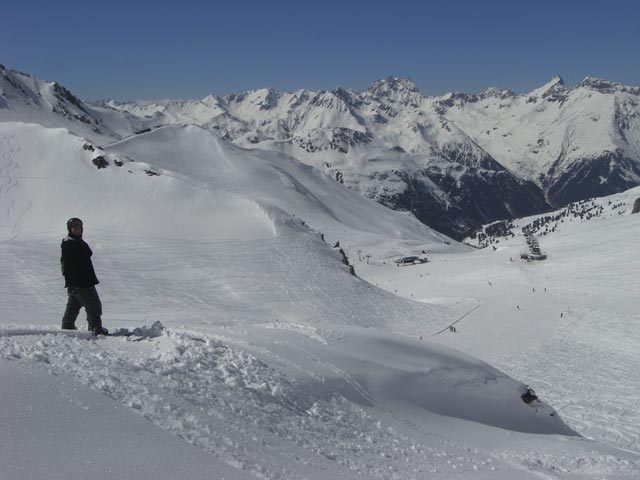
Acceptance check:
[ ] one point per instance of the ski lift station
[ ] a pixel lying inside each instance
(405, 261)
(534, 253)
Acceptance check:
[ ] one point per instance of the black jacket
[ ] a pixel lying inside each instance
(76, 263)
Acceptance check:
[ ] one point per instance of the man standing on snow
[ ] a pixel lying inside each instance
(80, 280)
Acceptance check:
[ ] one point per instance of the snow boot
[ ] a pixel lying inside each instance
(98, 330)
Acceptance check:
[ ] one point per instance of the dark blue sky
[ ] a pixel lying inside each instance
(140, 49)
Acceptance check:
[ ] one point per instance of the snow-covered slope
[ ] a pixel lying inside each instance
(271, 358)
(55, 427)
(540, 135)
(386, 142)
(201, 189)
(25, 98)
(190, 152)
(576, 142)
(444, 156)
(456, 161)
(568, 217)
(567, 324)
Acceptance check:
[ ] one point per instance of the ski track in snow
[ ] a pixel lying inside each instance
(589, 366)
(607, 343)
(585, 363)
(8, 183)
(228, 402)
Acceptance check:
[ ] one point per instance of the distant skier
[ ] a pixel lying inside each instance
(80, 280)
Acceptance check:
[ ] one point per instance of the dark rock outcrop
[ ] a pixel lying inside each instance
(474, 197)
(604, 175)
(100, 162)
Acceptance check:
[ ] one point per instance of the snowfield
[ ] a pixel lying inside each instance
(244, 348)
(567, 324)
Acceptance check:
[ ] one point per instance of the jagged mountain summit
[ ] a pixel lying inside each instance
(456, 161)
(451, 160)
(574, 142)
(25, 98)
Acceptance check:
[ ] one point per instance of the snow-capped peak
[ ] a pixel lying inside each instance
(595, 83)
(392, 85)
(497, 92)
(607, 86)
(555, 84)
(211, 100)
(556, 80)
(544, 137)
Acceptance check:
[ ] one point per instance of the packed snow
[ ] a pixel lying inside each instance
(243, 347)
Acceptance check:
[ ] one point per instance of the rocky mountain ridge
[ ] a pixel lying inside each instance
(563, 143)
(456, 161)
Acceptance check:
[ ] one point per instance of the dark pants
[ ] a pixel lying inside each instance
(88, 298)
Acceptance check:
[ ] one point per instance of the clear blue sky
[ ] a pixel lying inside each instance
(142, 49)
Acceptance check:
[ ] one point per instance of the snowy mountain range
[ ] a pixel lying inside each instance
(456, 161)
(245, 347)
